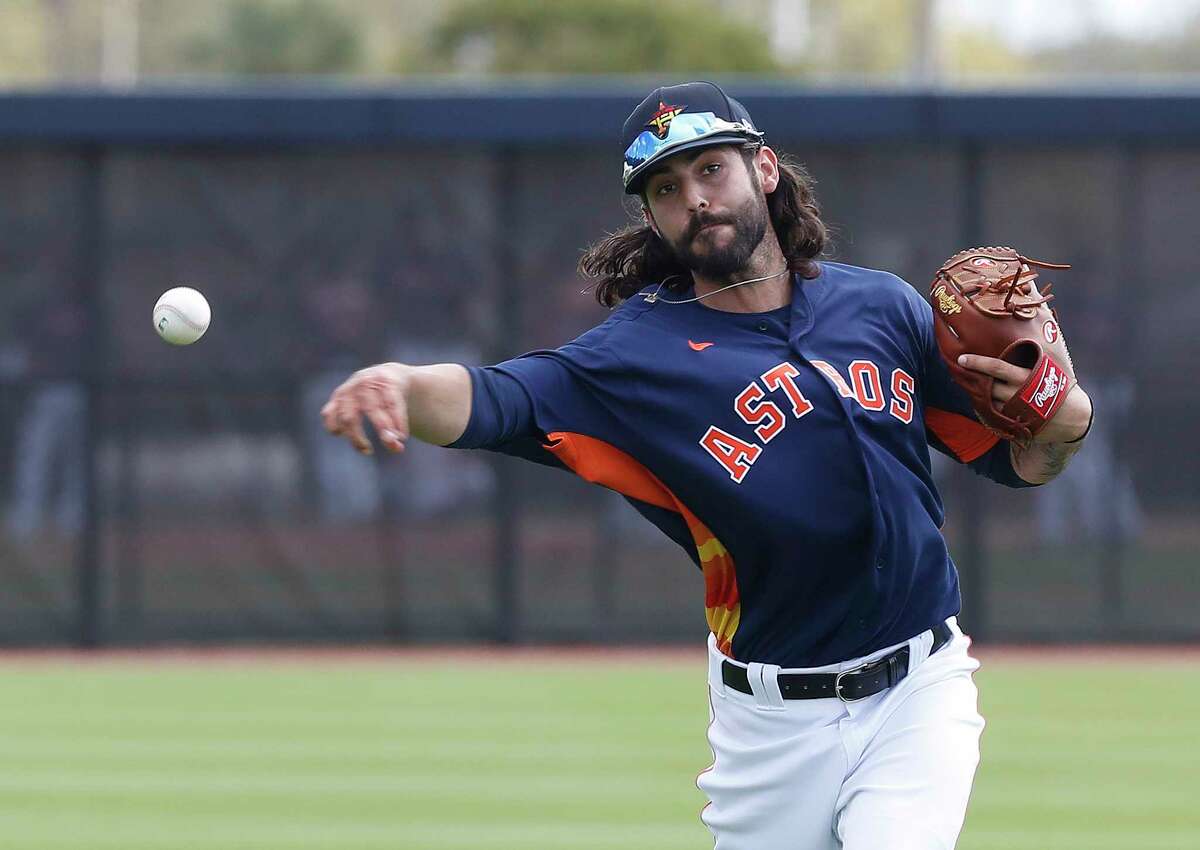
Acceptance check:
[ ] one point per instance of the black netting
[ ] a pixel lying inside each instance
(153, 493)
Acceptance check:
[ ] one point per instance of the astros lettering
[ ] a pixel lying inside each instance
(768, 420)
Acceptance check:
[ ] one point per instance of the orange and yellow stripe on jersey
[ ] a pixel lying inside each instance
(602, 463)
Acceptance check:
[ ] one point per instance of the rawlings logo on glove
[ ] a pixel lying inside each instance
(1049, 387)
(985, 302)
(945, 301)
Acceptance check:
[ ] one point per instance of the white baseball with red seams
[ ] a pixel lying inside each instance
(181, 315)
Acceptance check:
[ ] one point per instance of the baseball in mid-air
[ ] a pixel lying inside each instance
(181, 315)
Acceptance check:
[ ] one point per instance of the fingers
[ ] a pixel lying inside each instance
(342, 416)
(350, 423)
(393, 404)
(331, 413)
(379, 405)
(1009, 377)
(1001, 370)
(371, 396)
(327, 414)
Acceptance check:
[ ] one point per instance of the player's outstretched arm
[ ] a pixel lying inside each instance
(1055, 445)
(430, 403)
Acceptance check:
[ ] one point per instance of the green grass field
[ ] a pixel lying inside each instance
(361, 751)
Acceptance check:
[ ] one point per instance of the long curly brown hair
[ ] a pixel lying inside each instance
(623, 263)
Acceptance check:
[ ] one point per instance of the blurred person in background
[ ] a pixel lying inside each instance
(1095, 499)
(345, 327)
(48, 452)
(434, 323)
(341, 330)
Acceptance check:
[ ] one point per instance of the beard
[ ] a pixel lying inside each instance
(749, 223)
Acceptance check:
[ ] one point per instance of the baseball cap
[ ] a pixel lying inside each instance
(678, 118)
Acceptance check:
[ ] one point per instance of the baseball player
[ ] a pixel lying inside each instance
(772, 414)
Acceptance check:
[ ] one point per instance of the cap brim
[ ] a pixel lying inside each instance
(633, 184)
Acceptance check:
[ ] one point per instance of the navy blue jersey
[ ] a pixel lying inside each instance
(787, 452)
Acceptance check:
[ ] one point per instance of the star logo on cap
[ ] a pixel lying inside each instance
(660, 121)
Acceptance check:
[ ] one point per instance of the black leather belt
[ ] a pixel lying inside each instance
(848, 685)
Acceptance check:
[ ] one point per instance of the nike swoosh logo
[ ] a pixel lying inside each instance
(698, 346)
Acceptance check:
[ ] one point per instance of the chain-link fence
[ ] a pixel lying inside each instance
(152, 493)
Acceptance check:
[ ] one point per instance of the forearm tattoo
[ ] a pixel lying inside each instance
(1042, 462)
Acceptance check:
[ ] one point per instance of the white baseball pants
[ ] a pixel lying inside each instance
(892, 772)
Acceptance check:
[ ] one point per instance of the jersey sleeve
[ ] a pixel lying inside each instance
(950, 423)
(517, 403)
(579, 389)
(501, 417)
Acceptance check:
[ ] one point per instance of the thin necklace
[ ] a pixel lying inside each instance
(653, 296)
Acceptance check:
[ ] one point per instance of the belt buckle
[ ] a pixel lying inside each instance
(837, 684)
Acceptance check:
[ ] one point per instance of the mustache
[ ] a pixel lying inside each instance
(703, 220)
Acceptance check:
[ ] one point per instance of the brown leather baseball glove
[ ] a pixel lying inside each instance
(985, 302)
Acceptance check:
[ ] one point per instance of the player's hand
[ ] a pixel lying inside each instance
(378, 393)
(1069, 421)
